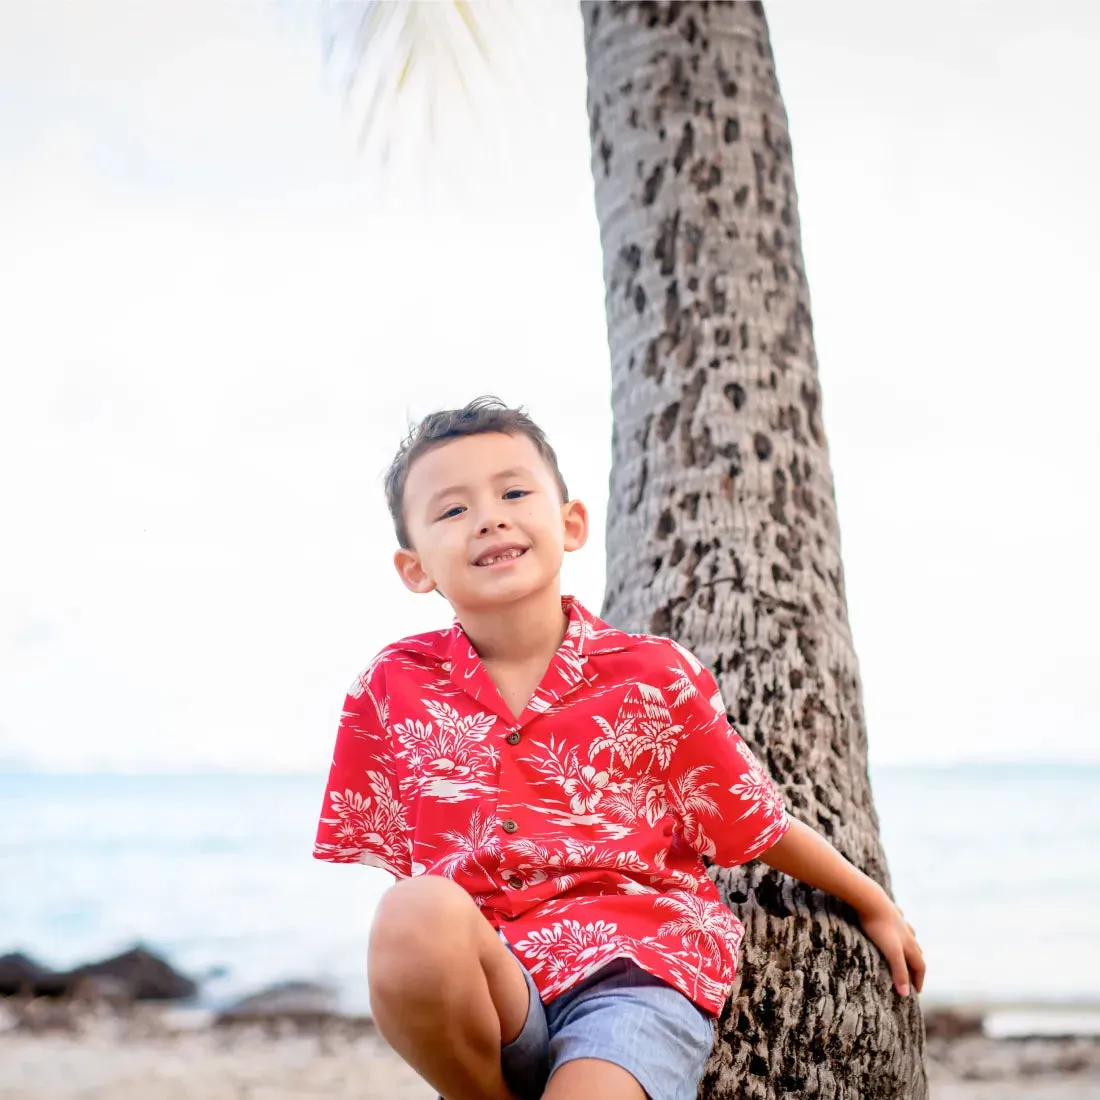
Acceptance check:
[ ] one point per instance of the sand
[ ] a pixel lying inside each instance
(203, 1067)
(111, 1059)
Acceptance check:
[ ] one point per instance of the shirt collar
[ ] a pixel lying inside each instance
(586, 636)
(590, 635)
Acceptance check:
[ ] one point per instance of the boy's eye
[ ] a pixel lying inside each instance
(456, 510)
(515, 494)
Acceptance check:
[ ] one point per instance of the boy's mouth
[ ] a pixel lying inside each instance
(499, 555)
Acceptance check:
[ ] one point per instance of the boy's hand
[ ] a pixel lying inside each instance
(888, 930)
(804, 855)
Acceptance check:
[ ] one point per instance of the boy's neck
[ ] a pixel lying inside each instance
(527, 631)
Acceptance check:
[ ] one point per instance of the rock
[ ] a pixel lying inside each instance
(292, 1007)
(148, 977)
(951, 1023)
(298, 1002)
(19, 974)
(134, 975)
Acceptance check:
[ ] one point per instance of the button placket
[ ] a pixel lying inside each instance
(511, 882)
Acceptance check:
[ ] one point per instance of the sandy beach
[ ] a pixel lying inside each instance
(204, 1066)
(156, 1054)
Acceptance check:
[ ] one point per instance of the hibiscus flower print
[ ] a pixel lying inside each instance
(585, 789)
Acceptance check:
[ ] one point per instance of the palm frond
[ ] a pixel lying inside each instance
(404, 63)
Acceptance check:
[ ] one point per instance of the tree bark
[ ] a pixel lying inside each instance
(722, 528)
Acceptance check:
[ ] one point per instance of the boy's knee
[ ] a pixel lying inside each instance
(428, 903)
(419, 928)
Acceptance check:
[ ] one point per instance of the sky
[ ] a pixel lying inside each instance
(220, 316)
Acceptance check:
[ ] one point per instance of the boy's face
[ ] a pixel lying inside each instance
(486, 522)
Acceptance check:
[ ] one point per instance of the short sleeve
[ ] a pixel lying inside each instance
(363, 819)
(727, 807)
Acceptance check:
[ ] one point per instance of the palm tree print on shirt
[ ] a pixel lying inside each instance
(700, 925)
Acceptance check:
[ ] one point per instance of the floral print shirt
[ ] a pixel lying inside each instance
(578, 828)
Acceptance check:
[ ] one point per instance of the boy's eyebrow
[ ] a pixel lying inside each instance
(503, 475)
(441, 493)
(514, 471)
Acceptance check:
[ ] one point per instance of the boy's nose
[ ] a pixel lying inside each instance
(492, 525)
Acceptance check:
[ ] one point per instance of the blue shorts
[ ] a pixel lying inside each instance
(620, 1014)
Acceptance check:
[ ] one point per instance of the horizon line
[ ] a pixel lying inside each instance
(16, 768)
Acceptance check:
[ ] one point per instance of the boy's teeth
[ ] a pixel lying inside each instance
(501, 557)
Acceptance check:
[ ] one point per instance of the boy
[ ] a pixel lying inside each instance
(543, 787)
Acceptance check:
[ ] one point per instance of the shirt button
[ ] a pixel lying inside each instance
(515, 882)
(509, 826)
(513, 737)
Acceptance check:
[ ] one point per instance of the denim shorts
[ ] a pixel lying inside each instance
(620, 1014)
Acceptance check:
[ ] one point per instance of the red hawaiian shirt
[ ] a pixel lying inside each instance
(577, 829)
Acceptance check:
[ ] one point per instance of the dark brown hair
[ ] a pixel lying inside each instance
(480, 416)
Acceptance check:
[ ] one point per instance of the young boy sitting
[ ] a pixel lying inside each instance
(544, 787)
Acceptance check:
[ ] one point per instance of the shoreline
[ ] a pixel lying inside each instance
(998, 1021)
(62, 1050)
(132, 1027)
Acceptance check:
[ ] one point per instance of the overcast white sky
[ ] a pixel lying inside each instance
(217, 322)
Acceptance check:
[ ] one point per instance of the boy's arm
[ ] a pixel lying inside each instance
(731, 812)
(810, 858)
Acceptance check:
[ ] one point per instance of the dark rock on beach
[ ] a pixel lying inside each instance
(19, 975)
(149, 977)
(135, 975)
(300, 1006)
(951, 1023)
(286, 999)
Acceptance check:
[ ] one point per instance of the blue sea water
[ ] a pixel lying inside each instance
(995, 866)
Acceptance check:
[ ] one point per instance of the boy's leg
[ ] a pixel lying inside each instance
(446, 992)
(584, 1078)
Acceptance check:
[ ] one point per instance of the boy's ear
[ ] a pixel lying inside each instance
(574, 517)
(411, 571)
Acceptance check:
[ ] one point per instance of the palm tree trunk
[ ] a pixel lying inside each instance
(722, 529)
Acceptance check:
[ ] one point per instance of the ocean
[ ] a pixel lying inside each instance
(996, 867)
